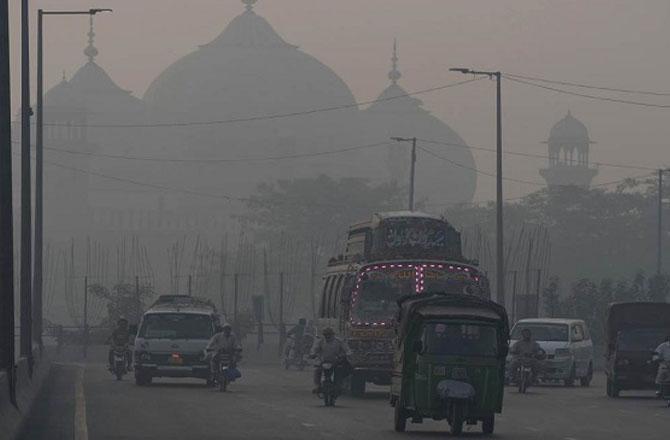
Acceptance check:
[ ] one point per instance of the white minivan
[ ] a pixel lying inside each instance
(568, 345)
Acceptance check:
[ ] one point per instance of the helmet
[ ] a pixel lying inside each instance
(328, 331)
(226, 326)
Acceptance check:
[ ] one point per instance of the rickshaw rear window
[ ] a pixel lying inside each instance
(459, 339)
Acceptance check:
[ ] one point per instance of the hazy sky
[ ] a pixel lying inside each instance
(615, 43)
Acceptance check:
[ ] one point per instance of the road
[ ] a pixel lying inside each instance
(270, 403)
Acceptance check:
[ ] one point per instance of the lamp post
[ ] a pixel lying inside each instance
(500, 264)
(39, 166)
(412, 168)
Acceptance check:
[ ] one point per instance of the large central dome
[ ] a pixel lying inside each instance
(247, 70)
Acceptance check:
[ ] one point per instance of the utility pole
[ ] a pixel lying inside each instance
(85, 317)
(659, 231)
(236, 278)
(138, 306)
(514, 272)
(282, 327)
(38, 271)
(190, 281)
(6, 212)
(537, 293)
(500, 263)
(26, 193)
(412, 168)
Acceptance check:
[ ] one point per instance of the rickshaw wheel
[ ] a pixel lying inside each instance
(488, 424)
(457, 420)
(400, 418)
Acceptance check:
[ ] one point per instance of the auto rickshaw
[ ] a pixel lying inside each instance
(449, 361)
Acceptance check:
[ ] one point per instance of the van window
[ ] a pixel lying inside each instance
(577, 333)
(176, 326)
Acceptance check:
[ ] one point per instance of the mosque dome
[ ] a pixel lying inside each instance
(569, 129)
(440, 182)
(247, 70)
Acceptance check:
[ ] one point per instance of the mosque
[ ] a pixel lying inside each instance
(230, 115)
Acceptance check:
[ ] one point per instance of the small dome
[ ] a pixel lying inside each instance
(569, 128)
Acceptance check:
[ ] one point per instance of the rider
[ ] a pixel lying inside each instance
(223, 341)
(120, 337)
(525, 350)
(662, 354)
(297, 333)
(327, 349)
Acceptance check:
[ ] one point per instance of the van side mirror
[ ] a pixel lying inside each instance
(417, 347)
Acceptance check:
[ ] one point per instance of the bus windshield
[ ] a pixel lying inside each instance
(378, 291)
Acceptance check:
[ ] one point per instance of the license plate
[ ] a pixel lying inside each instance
(176, 360)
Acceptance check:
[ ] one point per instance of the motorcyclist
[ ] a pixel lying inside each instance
(297, 333)
(223, 341)
(662, 356)
(525, 351)
(327, 349)
(120, 337)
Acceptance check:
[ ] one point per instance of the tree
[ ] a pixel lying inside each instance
(315, 207)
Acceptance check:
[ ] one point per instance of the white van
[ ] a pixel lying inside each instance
(568, 345)
(171, 339)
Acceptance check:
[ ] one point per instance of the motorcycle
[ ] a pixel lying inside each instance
(663, 380)
(524, 372)
(226, 370)
(294, 354)
(119, 365)
(330, 389)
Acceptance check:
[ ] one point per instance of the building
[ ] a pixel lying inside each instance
(204, 135)
(569, 144)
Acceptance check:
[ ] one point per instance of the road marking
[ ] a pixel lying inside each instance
(308, 425)
(569, 438)
(530, 428)
(80, 425)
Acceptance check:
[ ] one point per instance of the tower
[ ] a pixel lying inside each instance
(568, 164)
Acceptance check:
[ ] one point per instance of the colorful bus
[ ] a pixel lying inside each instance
(390, 256)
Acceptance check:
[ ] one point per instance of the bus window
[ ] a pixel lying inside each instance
(323, 309)
(335, 297)
(331, 296)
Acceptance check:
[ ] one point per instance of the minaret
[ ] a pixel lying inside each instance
(568, 164)
(394, 74)
(91, 51)
(250, 4)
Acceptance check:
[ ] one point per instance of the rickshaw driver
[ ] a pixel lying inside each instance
(525, 350)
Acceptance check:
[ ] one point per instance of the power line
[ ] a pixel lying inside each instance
(270, 116)
(534, 155)
(584, 95)
(587, 86)
(432, 153)
(215, 160)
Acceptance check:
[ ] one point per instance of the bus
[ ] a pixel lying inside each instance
(392, 255)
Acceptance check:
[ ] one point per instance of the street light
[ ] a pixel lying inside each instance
(411, 169)
(500, 270)
(39, 165)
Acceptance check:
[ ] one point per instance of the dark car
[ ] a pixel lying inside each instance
(634, 330)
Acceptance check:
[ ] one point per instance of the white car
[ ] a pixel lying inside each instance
(568, 345)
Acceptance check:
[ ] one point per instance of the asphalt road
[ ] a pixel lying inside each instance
(270, 403)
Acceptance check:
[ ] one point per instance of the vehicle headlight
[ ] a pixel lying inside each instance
(562, 353)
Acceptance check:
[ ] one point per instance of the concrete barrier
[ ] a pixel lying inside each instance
(12, 417)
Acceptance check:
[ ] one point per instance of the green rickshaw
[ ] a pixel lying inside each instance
(449, 361)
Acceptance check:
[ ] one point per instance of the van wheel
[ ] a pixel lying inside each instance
(570, 381)
(612, 389)
(357, 385)
(142, 379)
(586, 380)
(488, 424)
(399, 418)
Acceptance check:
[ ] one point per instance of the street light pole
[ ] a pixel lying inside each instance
(412, 169)
(659, 226)
(6, 212)
(500, 264)
(39, 169)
